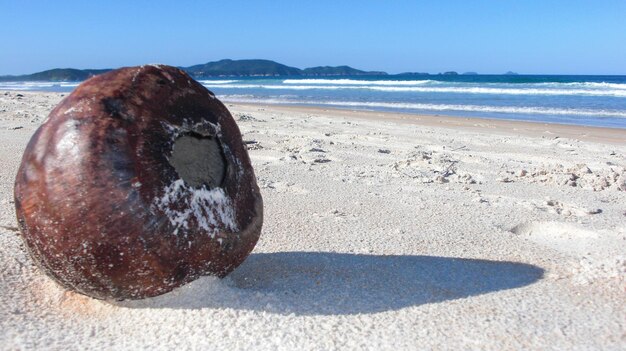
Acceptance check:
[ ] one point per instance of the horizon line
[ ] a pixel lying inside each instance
(465, 72)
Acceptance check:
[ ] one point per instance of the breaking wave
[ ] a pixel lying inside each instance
(357, 82)
(436, 107)
(217, 81)
(450, 89)
(37, 85)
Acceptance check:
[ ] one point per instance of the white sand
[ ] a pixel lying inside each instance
(382, 231)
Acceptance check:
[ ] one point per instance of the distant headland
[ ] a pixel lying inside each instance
(221, 68)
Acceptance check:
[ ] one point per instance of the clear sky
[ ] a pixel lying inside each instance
(490, 36)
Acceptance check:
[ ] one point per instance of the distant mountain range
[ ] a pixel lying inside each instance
(56, 75)
(222, 68)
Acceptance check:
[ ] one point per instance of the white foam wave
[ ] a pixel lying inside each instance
(281, 87)
(595, 85)
(217, 81)
(454, 90)
(591, 85)
(437, 107)
(36, 85)
(357, 82)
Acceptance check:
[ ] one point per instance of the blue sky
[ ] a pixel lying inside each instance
(561, 37)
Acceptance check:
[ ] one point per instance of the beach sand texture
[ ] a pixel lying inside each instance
(382, 231)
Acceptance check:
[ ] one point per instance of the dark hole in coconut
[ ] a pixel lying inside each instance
(198, 160)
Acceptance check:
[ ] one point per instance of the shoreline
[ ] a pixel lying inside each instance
(605, 135)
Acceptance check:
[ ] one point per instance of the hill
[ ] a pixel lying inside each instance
(241, 68)
(57, 75)
(337, 71)
(222, 68)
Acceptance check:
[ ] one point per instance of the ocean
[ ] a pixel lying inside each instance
(579, 100)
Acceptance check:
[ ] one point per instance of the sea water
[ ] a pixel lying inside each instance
(581, 100)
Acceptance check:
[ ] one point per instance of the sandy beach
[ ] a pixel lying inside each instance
(382, 231)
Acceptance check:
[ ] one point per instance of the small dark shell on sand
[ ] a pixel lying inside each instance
(137, 183)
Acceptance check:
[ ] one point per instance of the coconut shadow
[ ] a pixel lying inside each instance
(324, 283)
